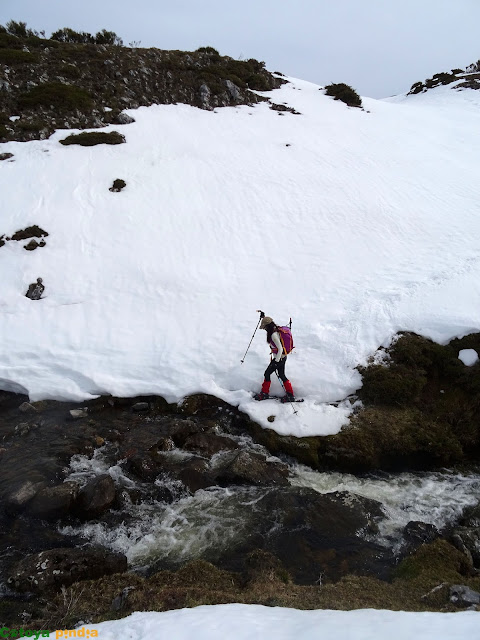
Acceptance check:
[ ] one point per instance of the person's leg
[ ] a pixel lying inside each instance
(269, 370)
(286, 382)
(267, 382)
(281, 369)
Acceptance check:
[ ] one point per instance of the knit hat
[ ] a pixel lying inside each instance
(266, 320)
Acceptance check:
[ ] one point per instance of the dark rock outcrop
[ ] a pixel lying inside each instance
(50, 570)
(54, 502)
(248, 467)
(313, 534)
(67, 85)
(96, 496)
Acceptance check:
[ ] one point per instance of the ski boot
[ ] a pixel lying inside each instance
(263, 395)
(289, 397)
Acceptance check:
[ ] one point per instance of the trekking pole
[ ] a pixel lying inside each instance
(290, 403)
(262, 315)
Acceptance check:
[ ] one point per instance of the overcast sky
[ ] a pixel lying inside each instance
(380, 47)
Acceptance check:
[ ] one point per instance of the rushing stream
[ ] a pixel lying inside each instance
(437, 498)
(151, 530)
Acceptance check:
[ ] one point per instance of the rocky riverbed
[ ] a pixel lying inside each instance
(122, 504)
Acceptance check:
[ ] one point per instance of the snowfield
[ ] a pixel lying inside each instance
(256, 622)
(354, 223)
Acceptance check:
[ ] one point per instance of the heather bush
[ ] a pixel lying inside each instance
(16, 56)
(56, 94)
(345, 93)
(87, 139)
(118, 185)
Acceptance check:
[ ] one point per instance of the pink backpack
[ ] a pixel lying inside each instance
(286, 339)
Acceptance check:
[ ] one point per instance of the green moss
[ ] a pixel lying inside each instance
(434, 563)
(56, 94)
(87, 139)
(391, 385)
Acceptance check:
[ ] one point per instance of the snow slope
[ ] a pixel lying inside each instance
(255, 622)
(356, 223)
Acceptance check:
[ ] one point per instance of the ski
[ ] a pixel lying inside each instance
(255, 397)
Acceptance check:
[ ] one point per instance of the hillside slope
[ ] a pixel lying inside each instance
(356, 223)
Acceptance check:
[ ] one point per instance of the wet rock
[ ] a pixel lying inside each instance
(463, 596)
(165, 444)
(96, 496)
(22, 429)
(140, 406)
(247, 467)
(52, 569)
(313, 534)
(26, 407)
(53, 502)
(304, 450)
(76, 414)
(145, 467)
(467, 540)
(18, 497)
(416, 533)
(196, 475)
(203, 405)
(471, 517)
(207, 444)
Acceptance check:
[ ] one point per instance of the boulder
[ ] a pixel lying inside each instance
(416, 533)
(96, 496)
(52, 569)
(195, 474)
(248, 467)
(53, 502)
(467, 540)
(76, 414)
(233, 90)
(207, 444)
(463, 596)
(122, 118)
(140, 406)
(26, 407)
(17, 497)
(145, 467)
(313, 535)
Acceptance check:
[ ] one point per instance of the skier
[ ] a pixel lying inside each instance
(277, 363)
(35, 290)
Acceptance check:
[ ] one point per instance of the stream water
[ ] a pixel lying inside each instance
(149, 530)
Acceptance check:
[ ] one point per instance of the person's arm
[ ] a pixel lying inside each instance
(278, 343)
